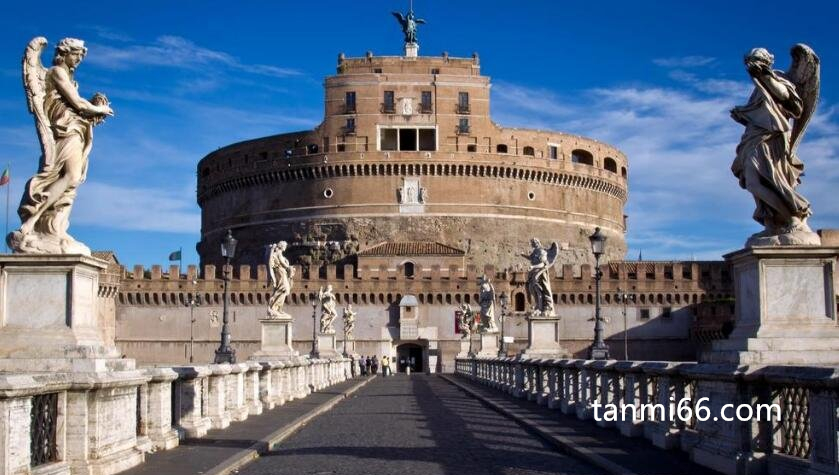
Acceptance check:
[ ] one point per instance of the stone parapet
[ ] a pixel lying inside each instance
(807, 398)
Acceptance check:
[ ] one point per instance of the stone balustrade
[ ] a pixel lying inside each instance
(799, 438)
(44, 417)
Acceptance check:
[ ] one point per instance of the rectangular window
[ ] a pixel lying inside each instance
(463, 126)
(388, 104)
(435, 70)
(387, 139)
(427, 140)
(407, 140)
(645, 314)
(462, 102)
(553, 152)
(425, 102)
(666, 312)
(350, 127)
(377, 70)
(350, 102)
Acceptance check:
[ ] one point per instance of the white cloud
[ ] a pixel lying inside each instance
(136, 208)
(680, 142)
(684, 61)
(177, 52)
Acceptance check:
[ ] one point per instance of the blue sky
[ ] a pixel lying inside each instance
(655, 80)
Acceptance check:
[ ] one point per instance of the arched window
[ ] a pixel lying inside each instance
(623, 172)
(528, 150)
(409, 270)
(501, 148)
(581, 156)
(610, 165)
(519, 302)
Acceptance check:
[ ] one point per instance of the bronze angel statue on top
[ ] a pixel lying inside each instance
(64, 122)
(409, 24)
(539, 279)
(766, 164)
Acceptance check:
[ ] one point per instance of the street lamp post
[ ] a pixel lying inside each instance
(502, 352)
(224, 353)
(315, 347)
(194, 301)
(599, 350)
(624, 297)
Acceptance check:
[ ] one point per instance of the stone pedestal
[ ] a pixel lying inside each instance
(465, 348)
(276, 339)
(411, 50)
(543, 337)
(48, 316)
(488, 345)
(785, 308)
(327, 348)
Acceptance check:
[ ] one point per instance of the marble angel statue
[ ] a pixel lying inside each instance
(64, 123)
(539, 279)
(328, 310)
(466, 321)
(766, 164)
(282, 278)
(349, 321)
(486, 299)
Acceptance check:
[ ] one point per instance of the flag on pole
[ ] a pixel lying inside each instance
(5, 178)
(175, 256)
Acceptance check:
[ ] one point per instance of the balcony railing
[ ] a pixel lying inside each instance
(388, 108)
(462, 129)
(426, 109)
(463, 109)
(349, 109)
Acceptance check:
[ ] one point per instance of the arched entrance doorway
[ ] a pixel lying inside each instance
(409, 354)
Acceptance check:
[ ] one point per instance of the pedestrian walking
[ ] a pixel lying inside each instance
(362, 366)
(369, 365)
(385, 366)
(375, 363)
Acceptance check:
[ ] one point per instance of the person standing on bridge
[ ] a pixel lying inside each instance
(369, 365)
(362, 366)
(385, 365)
(375, 363)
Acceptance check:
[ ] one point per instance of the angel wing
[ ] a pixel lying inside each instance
(552, 253)
(420, 21)
(804, 73)
(35, 86)
(399, 17)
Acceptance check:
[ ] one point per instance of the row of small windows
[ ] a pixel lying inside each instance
(389, 102)
(519, 298)
(403, 169)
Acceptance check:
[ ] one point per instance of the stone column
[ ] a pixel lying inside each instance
(192, 420)
(217, 400)
(253, 401)
(663, 432)
(159, 409)
(235, 387)
(633, 424)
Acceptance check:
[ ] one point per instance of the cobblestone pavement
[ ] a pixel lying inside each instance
(416, 424)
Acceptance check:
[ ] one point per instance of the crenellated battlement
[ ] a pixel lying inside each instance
(653, 283)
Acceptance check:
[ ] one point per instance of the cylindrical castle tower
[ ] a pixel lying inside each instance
(407, 151)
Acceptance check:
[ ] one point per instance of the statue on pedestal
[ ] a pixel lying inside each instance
(64, 122)
(486, 299)
(328, 311)
(282, 275)
(466, 321)
(766, 164)
(538, 278)
(349, 321)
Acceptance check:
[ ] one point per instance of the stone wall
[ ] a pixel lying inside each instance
(153, 315)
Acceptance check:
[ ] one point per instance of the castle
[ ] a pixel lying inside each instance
(401, 199)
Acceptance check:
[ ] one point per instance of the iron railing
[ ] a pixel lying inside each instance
(42, 429)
